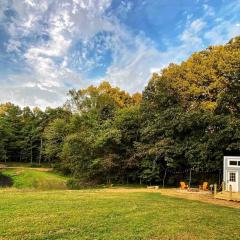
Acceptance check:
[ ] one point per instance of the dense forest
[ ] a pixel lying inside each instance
(186, 119)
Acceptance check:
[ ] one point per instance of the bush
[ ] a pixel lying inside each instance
(35, 165)
(5, 181)
(75, 184)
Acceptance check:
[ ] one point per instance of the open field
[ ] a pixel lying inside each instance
(136, 213)
(106, 214)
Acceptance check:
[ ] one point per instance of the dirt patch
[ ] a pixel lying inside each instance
(208, 197)
(196, 196)
(29, 168)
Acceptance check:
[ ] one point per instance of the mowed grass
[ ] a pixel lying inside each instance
(32, 178)
(102, 214)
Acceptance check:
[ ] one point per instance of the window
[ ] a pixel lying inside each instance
(233, 163)
(232, 177)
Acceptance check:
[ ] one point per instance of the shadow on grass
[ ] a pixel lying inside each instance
(5, 181)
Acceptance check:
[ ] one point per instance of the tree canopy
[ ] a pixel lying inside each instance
(187, 117)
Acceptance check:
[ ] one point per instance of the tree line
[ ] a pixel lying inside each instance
(188, 117)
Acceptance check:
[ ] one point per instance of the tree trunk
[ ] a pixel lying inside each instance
(190, 178)
(219, 177)
(31, 158)
(164, 177)
(40, 153)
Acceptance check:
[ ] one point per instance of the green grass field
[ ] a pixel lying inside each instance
(34, 179)
(28, 212)
(99, 214)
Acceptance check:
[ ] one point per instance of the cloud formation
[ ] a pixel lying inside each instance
(50, 46)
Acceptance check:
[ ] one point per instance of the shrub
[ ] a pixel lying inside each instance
(76, 184)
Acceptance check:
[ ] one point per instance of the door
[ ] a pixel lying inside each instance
(232, 180)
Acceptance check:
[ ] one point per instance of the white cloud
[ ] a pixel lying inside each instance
(32, 96)
(192, 32)
(13, 46)
(3, 7)
(52, 66)
(209, 11)
(222, 33)
(131, 68)
(62, 22)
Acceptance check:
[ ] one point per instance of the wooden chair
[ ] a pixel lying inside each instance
(183, 185)
(204, 186)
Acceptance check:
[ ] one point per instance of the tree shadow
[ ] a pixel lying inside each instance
(5, 181)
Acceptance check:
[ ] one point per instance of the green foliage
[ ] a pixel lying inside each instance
(76, 184)
(188, 117)
(21, 132)
(102, 130)
(190, 112)
(54, 135)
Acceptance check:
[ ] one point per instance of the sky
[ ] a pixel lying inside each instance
(50, 46)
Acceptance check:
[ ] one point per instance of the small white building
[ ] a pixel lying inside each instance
(231, 173)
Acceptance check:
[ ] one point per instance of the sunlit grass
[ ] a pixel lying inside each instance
(31, 178)
(100, 214)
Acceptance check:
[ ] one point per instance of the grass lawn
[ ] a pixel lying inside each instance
(100, 214)
(32, 178)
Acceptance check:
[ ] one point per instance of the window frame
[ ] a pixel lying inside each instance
(234, 160)
(232, 176)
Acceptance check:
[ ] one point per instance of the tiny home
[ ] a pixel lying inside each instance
(231, 173)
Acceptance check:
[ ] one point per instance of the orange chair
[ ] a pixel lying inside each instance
(183, 185)
(204, 186)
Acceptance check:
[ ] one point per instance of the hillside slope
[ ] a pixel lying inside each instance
(31, 178)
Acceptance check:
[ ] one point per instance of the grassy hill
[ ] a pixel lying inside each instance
(30, 178)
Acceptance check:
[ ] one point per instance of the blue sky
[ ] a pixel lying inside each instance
(50, 46)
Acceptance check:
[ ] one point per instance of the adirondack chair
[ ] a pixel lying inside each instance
(204, 186)
(183, 185)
